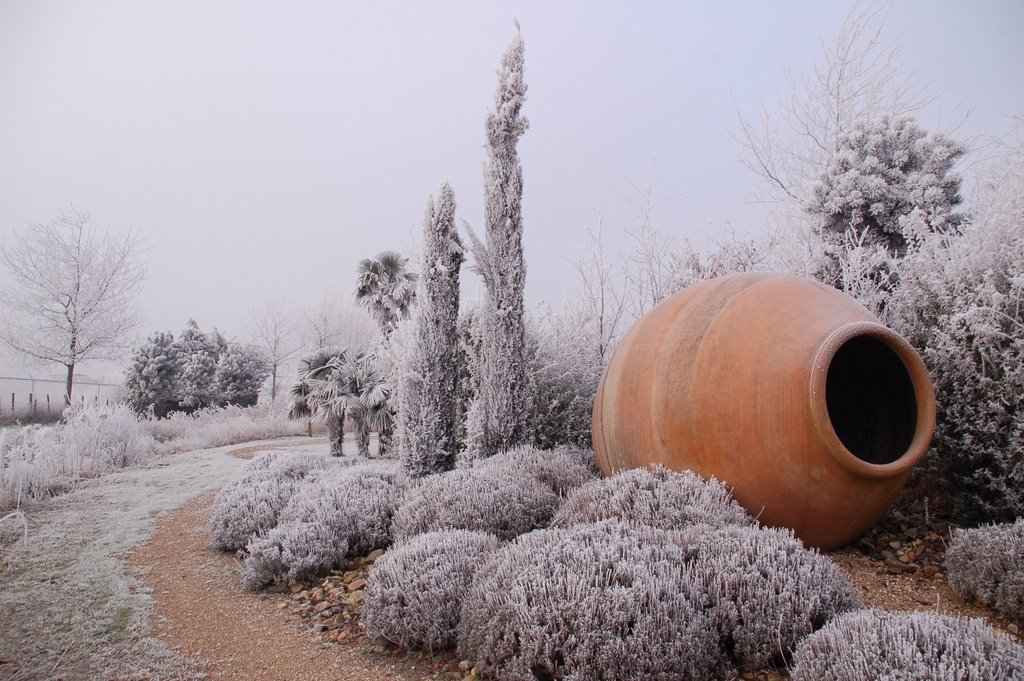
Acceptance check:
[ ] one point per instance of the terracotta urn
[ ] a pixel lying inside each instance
(789, 391)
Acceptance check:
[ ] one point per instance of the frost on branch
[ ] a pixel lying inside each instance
(657, 497)
(562, 470)
(768, 591)
(503, 503)
(292, 551)
(920, 646)
(597, 602)
(988, 563)
(414, 592)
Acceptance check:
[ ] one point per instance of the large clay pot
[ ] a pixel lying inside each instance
(789, 391)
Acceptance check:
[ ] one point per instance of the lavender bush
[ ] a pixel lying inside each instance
(414, 592)
(657, 497)
(498, 501)
(920, 646)
(293, 551)
(563, 470)
(768, 591)
(987, 563)
(595, 602)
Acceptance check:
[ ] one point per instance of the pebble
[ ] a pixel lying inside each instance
(1013, 629)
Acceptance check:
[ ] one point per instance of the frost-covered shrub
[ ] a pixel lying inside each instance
(563, 470)
(920, 646)
(657, 497)
(251, 504)
(293, 551)
(40, 462)
(355, 502)
(246, 508)
(768, 591)
(565, 371)
(988, 563)
(595, 602)
(218, 426)
(414, 592)
(960, 305)
(503, 503)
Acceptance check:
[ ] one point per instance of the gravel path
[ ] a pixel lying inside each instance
(70, 608)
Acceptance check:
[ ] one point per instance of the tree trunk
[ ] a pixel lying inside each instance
(69, 384)
(336, 434)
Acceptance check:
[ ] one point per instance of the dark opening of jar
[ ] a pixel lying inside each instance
(871, 400)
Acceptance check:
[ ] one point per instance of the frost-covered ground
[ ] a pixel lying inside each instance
(68, 605)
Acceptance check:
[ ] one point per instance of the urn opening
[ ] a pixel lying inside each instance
(871, 400)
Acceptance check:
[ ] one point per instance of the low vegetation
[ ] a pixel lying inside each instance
(987, 563)
(920, 646)
(37, 462)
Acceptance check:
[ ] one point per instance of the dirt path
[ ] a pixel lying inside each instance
(69, 607)
(202, 610)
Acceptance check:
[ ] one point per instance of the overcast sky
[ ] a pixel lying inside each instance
(263, 149)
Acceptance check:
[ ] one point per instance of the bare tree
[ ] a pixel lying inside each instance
(273, 330)
(335, 321)
(74, 293)
(858, 77)
(600, 299)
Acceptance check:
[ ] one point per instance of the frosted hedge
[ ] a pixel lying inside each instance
(590, 602)
(414, 592)
(657, 497)
(920, 646)
(498, 501)
(987, 563)
(561, 470)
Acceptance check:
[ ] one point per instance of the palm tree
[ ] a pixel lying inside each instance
(315, 396)
(387, 288)
(333, 384)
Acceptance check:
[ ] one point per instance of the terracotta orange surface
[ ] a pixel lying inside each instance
(788, 390)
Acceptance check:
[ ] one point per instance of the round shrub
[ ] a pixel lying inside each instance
(920, 646)
(563, 470)
(355, 502)
(287, 465)
(246, 508)
(595, 602)
(768, 591)
(250, 505)
(987, 563)
(292, 551)
(414, 592)
(657, 497)
(497, 501)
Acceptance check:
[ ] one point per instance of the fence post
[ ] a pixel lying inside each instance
(47, 404)
(12, 403)
(31, 405)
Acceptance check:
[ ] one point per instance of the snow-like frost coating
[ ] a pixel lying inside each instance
(250, 505)
(768, 590)
(293, 551)
(595, 602)
(920, 646)
(988, 563)
(355, 502)
(414, 592)
(562, 470)
(501, 502)
(657, 497)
